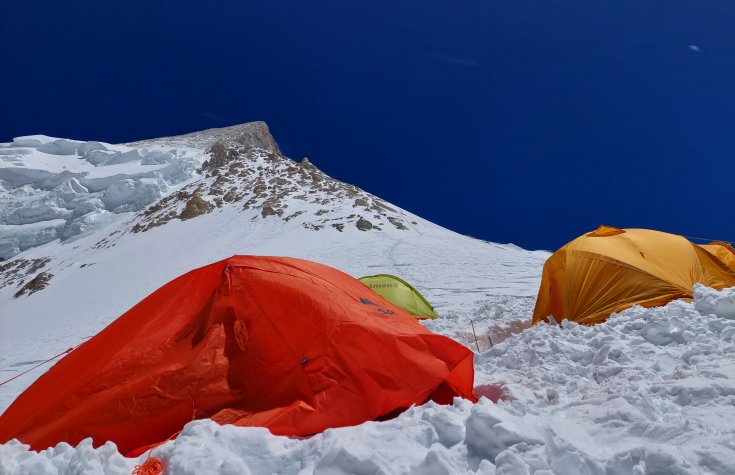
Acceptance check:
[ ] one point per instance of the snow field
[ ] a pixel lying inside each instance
(651, 391)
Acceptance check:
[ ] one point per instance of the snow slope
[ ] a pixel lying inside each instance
(650, 391)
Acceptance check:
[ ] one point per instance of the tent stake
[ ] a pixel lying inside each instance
(473, 332)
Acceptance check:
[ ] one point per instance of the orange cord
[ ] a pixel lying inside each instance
(152, 466)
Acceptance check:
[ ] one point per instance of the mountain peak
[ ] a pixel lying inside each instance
(61, 189)
(254, 134)
(245, 170)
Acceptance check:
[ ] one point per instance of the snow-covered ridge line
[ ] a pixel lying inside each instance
(59, 189)
(254, 134)
(242, 173)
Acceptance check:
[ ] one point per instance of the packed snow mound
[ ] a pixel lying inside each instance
(721, 303)
(650, 391)
(57, 188)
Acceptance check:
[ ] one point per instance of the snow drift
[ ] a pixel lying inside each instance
(649, 391)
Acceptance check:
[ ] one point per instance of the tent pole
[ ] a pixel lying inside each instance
(473, 332)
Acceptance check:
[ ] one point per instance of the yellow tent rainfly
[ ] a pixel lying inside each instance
(611, 269)
(723, 251)
(400, 293)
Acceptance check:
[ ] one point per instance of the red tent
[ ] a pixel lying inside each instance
(276, 342)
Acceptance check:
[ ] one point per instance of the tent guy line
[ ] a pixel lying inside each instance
(68, 350)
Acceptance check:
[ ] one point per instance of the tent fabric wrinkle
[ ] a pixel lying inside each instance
(723, 251)
(275, 342)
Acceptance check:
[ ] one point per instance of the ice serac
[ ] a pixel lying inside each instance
(83, 184)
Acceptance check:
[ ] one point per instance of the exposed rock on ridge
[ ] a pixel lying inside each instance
(246, 169)
(251, 135)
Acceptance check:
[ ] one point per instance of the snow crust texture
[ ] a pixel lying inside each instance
(651, 391)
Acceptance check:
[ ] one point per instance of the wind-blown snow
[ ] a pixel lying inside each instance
(650, 391)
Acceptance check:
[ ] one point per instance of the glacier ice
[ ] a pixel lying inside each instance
(57, 188)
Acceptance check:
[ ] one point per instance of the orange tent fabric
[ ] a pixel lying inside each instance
(723, 251)
(287, 344)
(611, 269)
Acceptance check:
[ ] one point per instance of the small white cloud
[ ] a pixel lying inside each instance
(695, 48)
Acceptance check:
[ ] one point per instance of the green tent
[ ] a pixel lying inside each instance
(400, 293)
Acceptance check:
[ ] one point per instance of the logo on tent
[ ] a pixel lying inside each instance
(384, 311)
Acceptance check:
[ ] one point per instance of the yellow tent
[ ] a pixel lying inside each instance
(611, 269)
(400, 293)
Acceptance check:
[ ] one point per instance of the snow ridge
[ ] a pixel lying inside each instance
(59, 189)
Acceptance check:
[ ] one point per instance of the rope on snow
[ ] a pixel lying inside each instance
(68, 350)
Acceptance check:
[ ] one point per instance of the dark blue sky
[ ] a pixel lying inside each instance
(516, 120)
